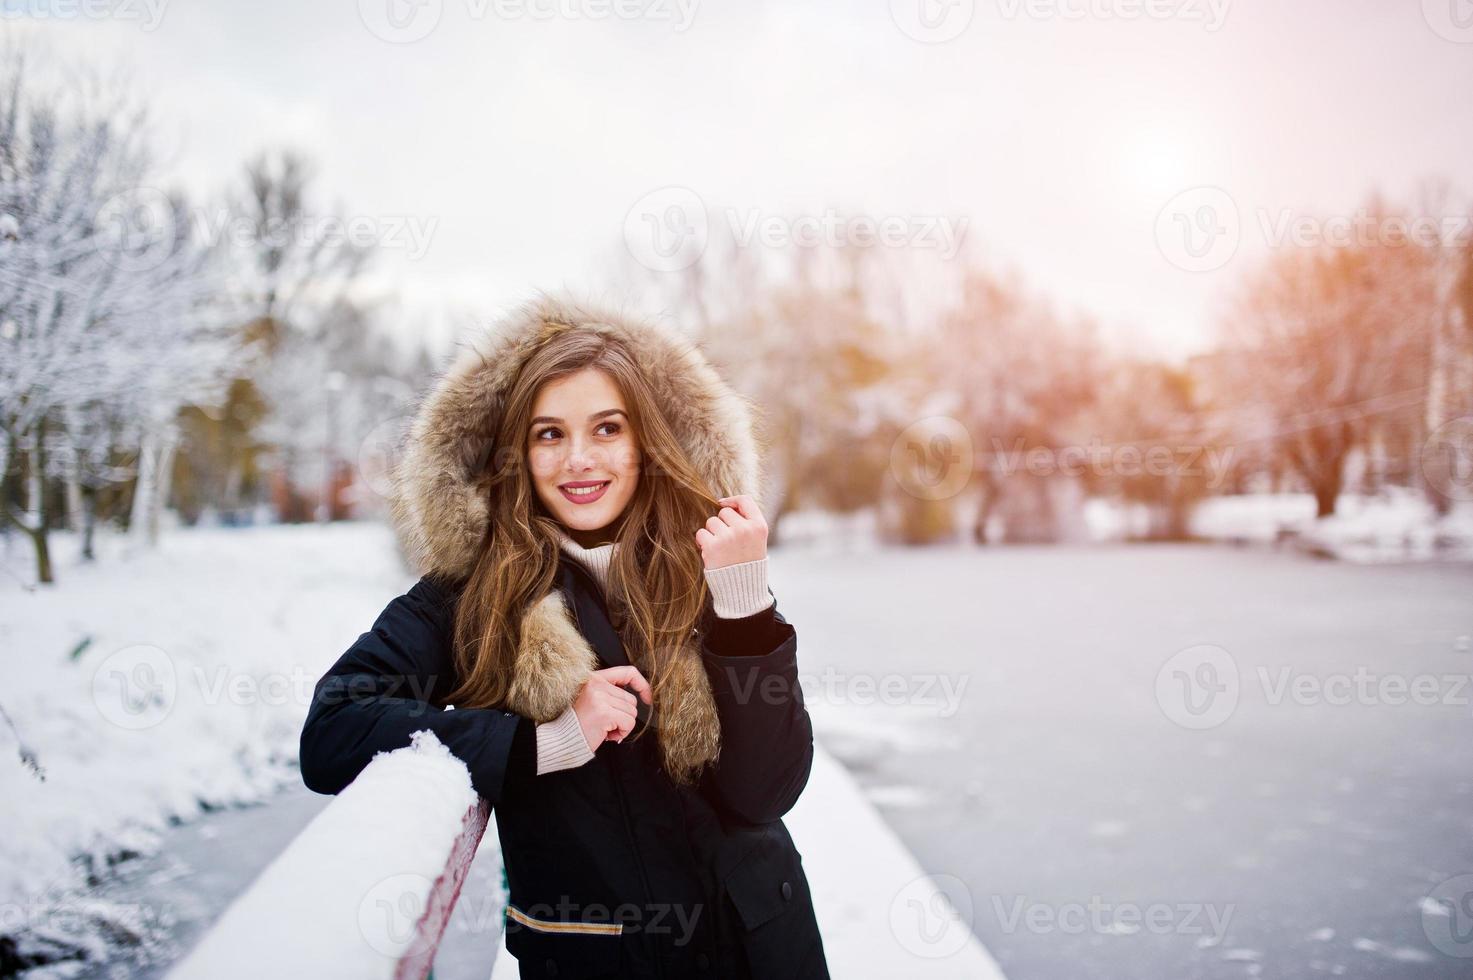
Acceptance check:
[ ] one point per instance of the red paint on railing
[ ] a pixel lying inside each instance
(416, 963)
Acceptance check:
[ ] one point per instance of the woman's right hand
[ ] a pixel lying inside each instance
(607, 711)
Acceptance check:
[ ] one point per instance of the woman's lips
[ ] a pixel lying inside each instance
(587, 497)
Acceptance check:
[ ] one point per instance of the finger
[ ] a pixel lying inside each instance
(743, 503)
(615, 699)
(716, 525)
(629, 674)
(730, 517)
(703, 541)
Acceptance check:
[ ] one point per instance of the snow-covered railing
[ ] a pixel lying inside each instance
(366, 889)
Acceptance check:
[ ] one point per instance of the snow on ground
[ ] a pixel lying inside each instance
(1395, 525)
(151, 687)
(1398, 525)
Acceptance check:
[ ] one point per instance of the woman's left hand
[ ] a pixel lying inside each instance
(737, 534)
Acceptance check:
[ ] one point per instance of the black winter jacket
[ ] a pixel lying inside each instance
(614, 870)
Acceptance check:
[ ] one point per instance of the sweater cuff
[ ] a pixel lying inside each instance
(739, 590)
(561, 743)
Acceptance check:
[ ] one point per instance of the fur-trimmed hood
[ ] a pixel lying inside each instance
(441, 517)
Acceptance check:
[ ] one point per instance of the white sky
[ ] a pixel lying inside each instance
(1059, 139)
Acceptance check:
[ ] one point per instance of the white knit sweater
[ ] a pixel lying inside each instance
(736, 591)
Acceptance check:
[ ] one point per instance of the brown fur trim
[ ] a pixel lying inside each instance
(553, 661)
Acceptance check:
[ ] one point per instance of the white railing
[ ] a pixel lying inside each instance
(365, 891)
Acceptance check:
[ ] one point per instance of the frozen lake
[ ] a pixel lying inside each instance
(1087, 825)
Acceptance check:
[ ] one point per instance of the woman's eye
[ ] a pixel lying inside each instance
(545, 432)
(611, 425)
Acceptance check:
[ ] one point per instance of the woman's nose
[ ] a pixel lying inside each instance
(582, 457)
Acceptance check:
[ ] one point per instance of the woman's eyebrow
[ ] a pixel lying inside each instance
(595, 415)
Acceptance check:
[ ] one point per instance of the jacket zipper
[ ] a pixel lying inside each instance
(619, 782)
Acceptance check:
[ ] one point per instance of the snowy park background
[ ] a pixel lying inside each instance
(1118, 438)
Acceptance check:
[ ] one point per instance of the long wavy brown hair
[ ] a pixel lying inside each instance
(657, 590)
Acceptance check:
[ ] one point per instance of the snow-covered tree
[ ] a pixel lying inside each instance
(108, 315)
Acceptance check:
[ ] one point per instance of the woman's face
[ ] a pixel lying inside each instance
(582, 453)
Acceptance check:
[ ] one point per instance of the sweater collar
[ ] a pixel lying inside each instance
(596, 560)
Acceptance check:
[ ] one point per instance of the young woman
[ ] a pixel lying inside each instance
(625, 691)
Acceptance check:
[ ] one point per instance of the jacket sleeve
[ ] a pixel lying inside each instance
(766, 734)
(388, 685)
